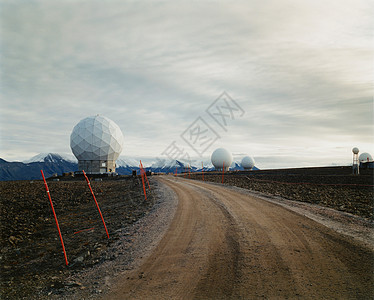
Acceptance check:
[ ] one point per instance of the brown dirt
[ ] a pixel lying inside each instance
(223, 244)
(224, 241)
(32, 263)
(333, 187)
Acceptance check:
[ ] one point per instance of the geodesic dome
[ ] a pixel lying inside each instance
(365, 157)
(248, 162)
(96, 138)
(221, 157)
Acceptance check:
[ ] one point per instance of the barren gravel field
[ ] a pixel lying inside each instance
(32, 262)
(260, 235)
(226, 244)
(333, 187)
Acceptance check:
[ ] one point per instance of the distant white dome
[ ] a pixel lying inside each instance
(365, 157)
(96, 138)
(221, 157)
(355, 150)
(248, 162)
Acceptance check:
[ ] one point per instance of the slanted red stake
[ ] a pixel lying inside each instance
(145, 174)
(97, 204)
(54, 214)
(223, 171)
(141, 174)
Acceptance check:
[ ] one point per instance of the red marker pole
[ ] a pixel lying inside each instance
(176, 172)
(145, 174)
(54, 213)
(223, 171)
(202, 169)
(141, 174)
(97, 204)
(189, 171)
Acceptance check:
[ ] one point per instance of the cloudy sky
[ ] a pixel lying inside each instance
(301, 73)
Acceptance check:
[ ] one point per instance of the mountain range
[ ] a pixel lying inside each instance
(52, 163)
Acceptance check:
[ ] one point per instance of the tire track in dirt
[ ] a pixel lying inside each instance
(197, 257)
(289, 256)
(223, 244)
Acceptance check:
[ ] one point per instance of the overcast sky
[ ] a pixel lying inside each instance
(300, 73)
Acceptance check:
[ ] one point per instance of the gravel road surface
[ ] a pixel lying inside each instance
(226, 244)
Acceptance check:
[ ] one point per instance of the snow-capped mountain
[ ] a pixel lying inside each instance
(163, 163)
(52, 163)
(51, 157)
(127, 162)
(167, 166)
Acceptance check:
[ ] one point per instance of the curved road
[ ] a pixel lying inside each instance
(223, 244)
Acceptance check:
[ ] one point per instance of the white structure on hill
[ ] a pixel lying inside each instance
(365, 157)
(355, 165)
(96, 142)
(366, 161)
(221, 158)
(248, 163)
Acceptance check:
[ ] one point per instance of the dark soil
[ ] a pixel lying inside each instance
(31, 257)
(32, 261)
(333, 187)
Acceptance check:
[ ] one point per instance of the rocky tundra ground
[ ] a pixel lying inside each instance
(31, 256)
(32, 262)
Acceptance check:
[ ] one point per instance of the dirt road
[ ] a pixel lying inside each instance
(223, 244)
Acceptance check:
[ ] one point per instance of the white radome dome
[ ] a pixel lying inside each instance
(248, 162)
(221, 157)
(365, 157)
(96, 138)
(355, 150)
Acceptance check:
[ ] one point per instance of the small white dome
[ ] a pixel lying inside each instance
(221, 157)
(248, 162)
(355, 150)
(96, 138)
(365, 157)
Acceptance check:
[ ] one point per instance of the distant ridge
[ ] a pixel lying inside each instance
(52, 163)
(51, 157)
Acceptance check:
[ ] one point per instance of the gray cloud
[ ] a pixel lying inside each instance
(299, 69)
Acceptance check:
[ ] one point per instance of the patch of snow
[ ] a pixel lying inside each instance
(127, 162)
(133, 162)
(69, 157)
(165, 163)
(50, 157)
